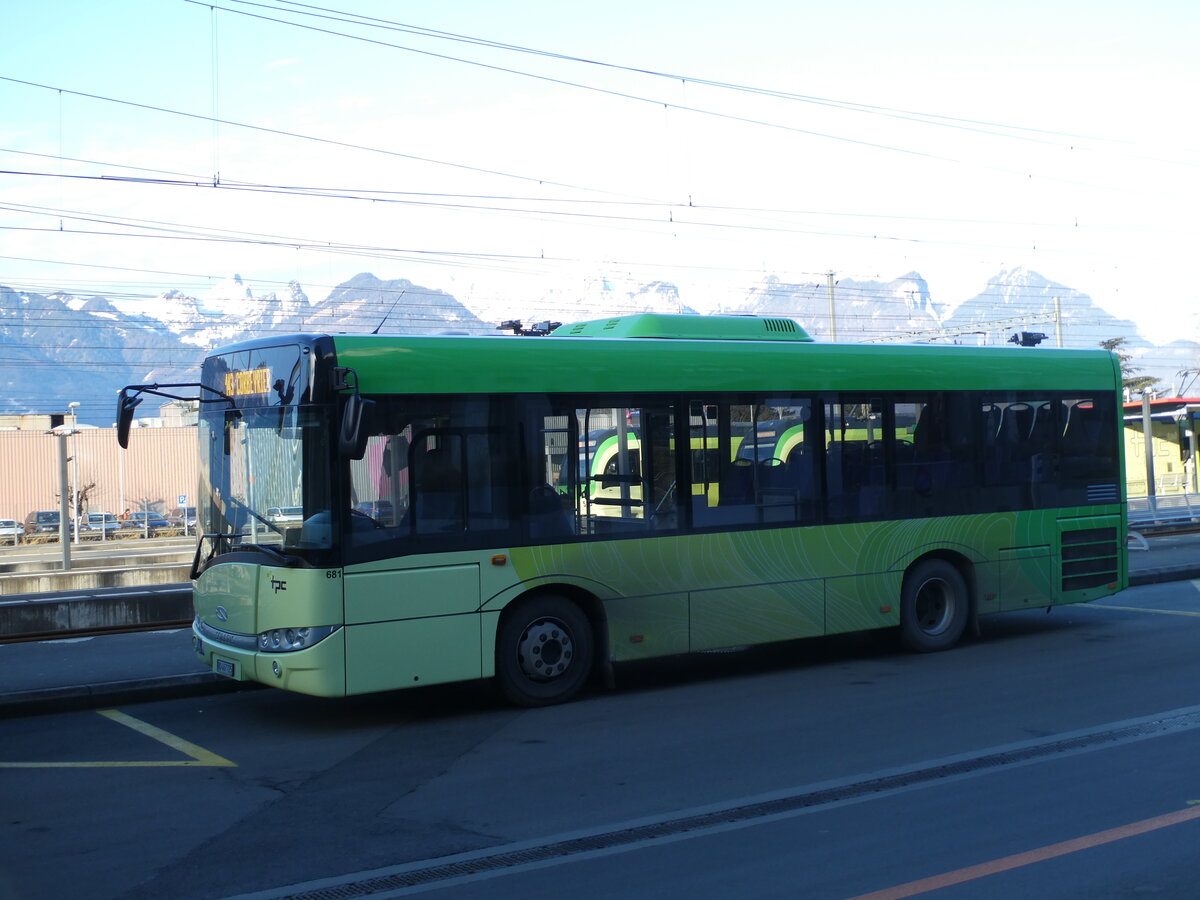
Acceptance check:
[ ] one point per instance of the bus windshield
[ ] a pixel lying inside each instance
(266, 456)
(267, 470)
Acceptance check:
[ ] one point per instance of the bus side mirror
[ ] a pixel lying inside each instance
(352, 436)
(125, 407)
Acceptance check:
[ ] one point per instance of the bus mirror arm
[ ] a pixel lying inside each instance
(127, 402)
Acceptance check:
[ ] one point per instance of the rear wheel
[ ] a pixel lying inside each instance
(934, 606)
(544, 651)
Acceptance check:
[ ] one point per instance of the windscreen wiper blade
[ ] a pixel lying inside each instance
(227, 537)
(286, 558)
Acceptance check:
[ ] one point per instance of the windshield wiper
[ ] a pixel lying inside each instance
(286, 558)
(227, 537)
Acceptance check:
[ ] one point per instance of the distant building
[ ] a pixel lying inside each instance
(35, 421)
(179, 414)
(1175, 424)
(172, 414)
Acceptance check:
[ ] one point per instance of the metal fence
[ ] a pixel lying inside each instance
(159, 468)
(1167, 509)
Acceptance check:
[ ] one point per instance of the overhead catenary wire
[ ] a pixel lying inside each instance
(471, 258)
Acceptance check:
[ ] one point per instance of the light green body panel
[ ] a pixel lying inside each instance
(697, 592)
(319, 670)
(387, 655)
(234, 587)
(258, 598)
(413, 620)
(418, 619)
(426, 620)
(383, 592)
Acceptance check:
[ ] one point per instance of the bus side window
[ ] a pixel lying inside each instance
(855, 475)
(1022, 457)
(752, 463)
(379, 481)
(438, 466)
(1088, 471)
(554, 476)
(436, 463)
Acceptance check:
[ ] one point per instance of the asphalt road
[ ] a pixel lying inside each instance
(1054, 756)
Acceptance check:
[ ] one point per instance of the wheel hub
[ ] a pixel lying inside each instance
(545, 649)
(933, 607)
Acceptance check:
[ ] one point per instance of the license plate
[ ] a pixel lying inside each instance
(225, 667)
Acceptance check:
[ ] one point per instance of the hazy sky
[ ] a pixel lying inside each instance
(708, 144)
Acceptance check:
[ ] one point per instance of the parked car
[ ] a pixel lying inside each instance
(184, 517)
(10, 531)
(285, 515)
(144, 522)
(379, 510)
(95, 526)
(43, 523)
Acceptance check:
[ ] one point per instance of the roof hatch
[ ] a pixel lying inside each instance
(689, 328)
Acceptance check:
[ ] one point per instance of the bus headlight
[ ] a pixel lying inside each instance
(284, 640)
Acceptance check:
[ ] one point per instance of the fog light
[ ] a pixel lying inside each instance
(275, 668)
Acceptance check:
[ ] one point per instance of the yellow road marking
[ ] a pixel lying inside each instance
(198, 756)
(1164, 612)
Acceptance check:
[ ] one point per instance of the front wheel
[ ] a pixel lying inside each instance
(544, 651)
(934, 606)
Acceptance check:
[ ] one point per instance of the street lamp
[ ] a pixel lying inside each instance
(62, 432)
(73, 406)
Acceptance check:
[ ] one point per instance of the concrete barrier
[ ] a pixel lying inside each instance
(92, 579)
(121, 589)
(41, 566)
(28, 618)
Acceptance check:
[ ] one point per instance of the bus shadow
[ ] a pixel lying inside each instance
(446, 701)
(846, 650)
(740, 662)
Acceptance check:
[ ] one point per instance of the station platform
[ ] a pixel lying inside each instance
(38, 677)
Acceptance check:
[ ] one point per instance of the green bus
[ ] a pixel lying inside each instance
(447, 518)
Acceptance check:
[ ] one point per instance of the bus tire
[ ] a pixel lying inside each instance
(934, 606)
(544, 651)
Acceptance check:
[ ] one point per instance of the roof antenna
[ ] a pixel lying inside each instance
(388, 313)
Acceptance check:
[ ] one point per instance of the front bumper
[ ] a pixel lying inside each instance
(319, 670)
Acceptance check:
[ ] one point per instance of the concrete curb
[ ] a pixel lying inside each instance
(1159, 576)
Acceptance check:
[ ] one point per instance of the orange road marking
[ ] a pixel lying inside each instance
(995, 866)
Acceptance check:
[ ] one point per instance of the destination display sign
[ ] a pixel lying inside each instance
(272, 375)
(246, 383)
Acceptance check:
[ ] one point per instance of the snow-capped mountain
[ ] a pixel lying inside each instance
(56, 347)
(1026, 295)
(221, 314)
(862, 309)
(579, 298)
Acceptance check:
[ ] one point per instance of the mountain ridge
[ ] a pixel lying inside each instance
(56, 342)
